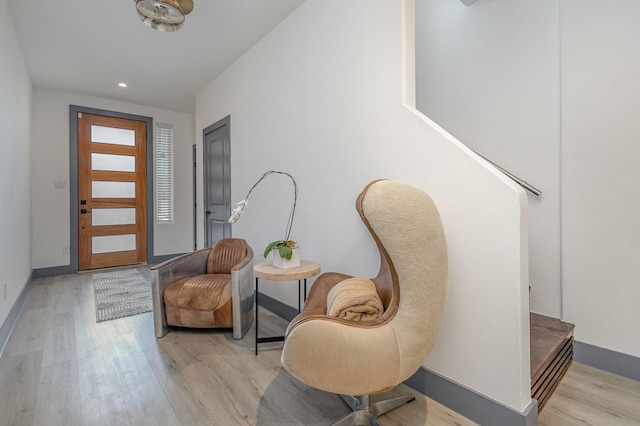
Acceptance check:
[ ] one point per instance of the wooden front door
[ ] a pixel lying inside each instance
(112, 210)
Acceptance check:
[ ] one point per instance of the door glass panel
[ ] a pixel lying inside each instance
(113, 135)
(124, 216)
(107, 189)
(113, 163)
(111, 243)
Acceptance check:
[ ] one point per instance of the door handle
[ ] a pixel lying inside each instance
(84, 211)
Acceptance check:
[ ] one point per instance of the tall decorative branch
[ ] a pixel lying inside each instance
(285, 247)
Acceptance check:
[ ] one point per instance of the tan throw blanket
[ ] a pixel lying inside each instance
(354, 299)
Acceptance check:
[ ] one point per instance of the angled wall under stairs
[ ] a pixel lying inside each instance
(551, 354)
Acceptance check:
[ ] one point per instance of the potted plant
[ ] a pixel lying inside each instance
(288, 254)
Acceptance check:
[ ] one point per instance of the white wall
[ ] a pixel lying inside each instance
(15, 167)
(489, 74)
(50, 144)
(600, 172)
(321, 97)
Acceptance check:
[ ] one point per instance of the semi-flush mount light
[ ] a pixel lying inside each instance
(122, 84)
(163, 15)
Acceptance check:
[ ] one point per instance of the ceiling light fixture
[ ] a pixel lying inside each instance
(164, 15)
(122, 84)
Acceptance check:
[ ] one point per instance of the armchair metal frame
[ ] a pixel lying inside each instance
(193, 264)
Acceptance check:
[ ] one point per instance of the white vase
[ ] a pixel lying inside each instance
(283, 262)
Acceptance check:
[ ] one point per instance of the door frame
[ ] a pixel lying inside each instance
(194, 159)
(73, 177)
(226, 124)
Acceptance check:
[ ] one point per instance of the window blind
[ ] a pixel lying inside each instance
(164, 173)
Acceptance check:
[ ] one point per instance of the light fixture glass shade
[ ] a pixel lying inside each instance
(163, 15)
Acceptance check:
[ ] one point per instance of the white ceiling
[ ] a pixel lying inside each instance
(89, 46)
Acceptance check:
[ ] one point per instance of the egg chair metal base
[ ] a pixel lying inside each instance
(366, 414)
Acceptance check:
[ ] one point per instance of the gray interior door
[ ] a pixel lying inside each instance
(217, 181)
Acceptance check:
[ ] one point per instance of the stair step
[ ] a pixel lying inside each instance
(551, 354)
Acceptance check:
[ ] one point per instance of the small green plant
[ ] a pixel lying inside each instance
(285, 247)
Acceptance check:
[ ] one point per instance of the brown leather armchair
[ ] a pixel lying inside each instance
(208, 288)
(361, 358)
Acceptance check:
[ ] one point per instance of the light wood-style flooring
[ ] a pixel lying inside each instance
(60, 367)
(588, 396)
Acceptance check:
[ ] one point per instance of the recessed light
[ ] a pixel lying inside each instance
(122, 84)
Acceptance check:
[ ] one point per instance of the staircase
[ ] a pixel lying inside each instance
(551, 354)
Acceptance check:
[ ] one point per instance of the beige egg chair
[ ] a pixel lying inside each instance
(208, 288)
(359, 358)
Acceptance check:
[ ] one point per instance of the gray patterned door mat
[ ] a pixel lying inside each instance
(120, 294)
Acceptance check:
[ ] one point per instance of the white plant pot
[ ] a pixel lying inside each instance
(284, 263)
